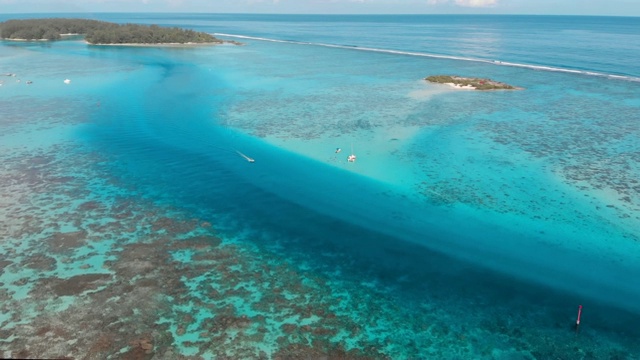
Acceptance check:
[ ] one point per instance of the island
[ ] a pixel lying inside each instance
(470, 83)
(102, 33)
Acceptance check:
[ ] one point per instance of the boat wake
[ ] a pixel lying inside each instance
(246, 157)
(435, 56)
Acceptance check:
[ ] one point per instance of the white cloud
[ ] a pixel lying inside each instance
(251, 2)
(466, 3)
(477, 3)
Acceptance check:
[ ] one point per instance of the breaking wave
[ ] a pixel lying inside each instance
(449, 57)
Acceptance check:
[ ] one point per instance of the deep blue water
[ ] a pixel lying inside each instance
(518, 206)
(584, 43)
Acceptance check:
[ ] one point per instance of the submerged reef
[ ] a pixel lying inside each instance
(94, 270)
(470, 83)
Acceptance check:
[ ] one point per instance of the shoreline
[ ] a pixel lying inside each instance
(471, 87)
(160, 44)
(30, 40)
(470, 83)
(189, 44)
(25, 40)
(461, 87)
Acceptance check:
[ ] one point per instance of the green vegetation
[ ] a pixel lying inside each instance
(46, 29)
(140, 34)
(476, 83)
(100, 32)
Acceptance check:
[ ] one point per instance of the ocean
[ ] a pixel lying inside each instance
(473, 224)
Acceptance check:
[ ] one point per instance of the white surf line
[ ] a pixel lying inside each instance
(447, 57)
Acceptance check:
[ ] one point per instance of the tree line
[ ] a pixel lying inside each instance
(100, 32)
(49, 29)
(141, 34)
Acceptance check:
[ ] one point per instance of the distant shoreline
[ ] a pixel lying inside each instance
(27, 40)
(159, 44)
(189, 44)
(103, 33)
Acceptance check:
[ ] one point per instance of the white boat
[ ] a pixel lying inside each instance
(352, 157)
(246, 157)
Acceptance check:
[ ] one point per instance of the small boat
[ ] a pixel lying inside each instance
(246, 157)
(67, 81)
(338, 150)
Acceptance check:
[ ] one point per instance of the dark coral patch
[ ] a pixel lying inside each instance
(137, 353)
(89, 205)
(40, 262)
(22, 354)
(78, 284)
(322, 350)
(173, 226)
(62, 242)
(102, 345)
(141, 349)
(4, 263)
(288, 328)
(153, 283)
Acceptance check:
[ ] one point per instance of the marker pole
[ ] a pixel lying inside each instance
(578, 319)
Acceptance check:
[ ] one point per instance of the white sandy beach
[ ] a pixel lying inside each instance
(461, 87)
(190, 44)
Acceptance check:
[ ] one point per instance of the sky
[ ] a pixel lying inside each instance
(532, 7)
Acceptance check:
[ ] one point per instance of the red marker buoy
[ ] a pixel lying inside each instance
(578, 319)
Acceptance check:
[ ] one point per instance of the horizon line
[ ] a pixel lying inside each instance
(310, 14)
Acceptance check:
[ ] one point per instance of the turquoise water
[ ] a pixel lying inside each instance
(472, 225)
